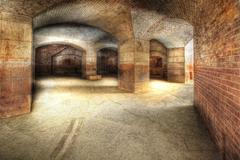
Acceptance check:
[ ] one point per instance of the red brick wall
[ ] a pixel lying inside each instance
(217, 74)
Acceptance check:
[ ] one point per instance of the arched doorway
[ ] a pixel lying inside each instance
(59, 59)
(158, 60)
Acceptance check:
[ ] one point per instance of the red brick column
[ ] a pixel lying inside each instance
(176, 65)
(90, 68)
(15, 65)
(134, 65)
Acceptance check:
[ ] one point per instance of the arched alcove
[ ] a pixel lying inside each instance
(59, 59)
(158, 60)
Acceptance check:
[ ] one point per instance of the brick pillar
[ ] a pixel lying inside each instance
(90, 63)
(15, 64)
(176, 65)
(134, 65)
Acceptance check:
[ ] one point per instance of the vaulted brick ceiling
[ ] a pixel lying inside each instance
(123, 18)
(80, 36)
(27, 7)
(172, 32)
(113, 17)
(185, 9)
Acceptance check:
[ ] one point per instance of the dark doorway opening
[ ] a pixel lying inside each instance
(61, 60)
(107, 62)
(158, 60)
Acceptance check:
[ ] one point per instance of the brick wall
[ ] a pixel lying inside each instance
(217, 57)
(217, 74)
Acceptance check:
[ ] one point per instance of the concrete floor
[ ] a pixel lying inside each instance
(76, 119)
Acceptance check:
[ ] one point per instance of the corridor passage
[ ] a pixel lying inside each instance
(76, 119)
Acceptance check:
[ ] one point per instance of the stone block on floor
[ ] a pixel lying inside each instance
(94, 77)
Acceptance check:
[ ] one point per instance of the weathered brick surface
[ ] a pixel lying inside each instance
(217, 54)
(134, 65)
(217, 74)
(158, 60)
(176, 65)
(126, 65)
(15, 65)
(126, 77)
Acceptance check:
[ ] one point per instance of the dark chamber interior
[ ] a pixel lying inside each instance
(107, 62)
(65, 60)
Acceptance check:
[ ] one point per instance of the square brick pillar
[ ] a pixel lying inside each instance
(90, 63)
(176, 65)
(15, 64)
(134, 65)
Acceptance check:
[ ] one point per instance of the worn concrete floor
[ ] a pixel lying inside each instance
(75, 119)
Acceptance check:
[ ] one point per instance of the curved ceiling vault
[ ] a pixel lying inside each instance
(123, 21)
(113, 17)
(81, 36)
(172, 32)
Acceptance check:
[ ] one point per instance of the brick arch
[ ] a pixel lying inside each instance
(94, 13)
(172, 32)
(84, 36)
(78, 47)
